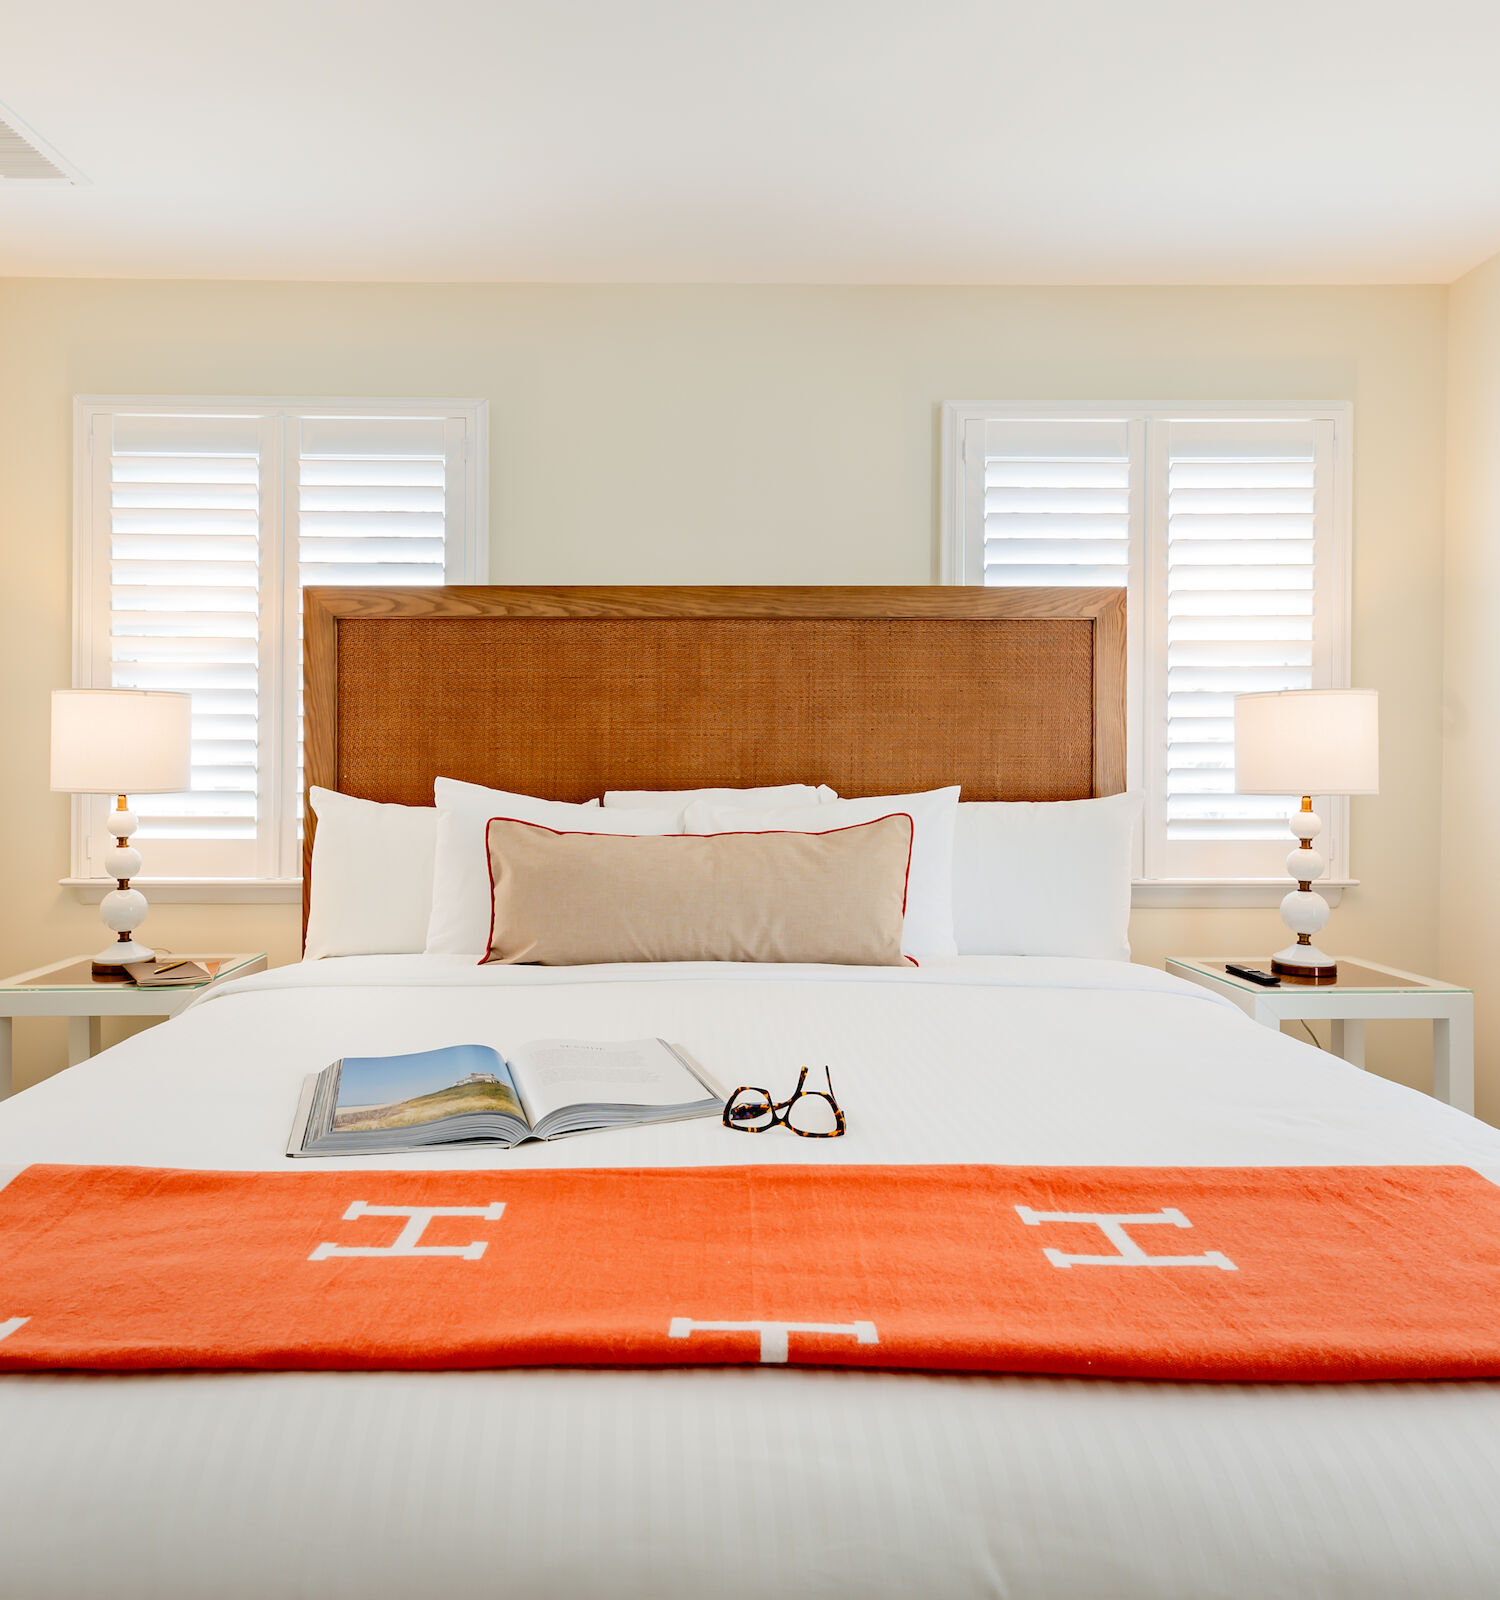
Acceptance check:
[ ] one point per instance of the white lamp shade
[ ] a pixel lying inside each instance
(1307, 741)
(121, 741)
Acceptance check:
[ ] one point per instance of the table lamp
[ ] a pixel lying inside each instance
(121, 742)
(1307, 742)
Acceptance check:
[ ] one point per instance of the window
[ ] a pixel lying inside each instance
(1230, 531)
(198, 522)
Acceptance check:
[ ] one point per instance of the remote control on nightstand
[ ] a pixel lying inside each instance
(1266, 980)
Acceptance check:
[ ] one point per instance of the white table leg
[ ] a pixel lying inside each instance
(1347, 1039)
(83, 1039)
(1264, 1012)
(5, 1058)
(1453, 1055)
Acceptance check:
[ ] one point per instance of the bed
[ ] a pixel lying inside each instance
(741, 1480)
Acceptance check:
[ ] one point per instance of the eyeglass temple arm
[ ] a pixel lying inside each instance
(802, 1079)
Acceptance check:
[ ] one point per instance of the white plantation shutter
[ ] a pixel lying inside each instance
(1056, 503)
(177, 596)
(372, 508)
(1231, 534)
(372, 498)
(198, 525)
(1240, 600)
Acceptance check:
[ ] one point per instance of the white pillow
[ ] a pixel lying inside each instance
(929, 895)
(371, 877)
(460, 920)
(786, 794)
(1045, 878)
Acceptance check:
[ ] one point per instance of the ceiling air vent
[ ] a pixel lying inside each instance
(23, 157)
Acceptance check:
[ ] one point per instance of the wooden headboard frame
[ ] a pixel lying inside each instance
(1017, 694)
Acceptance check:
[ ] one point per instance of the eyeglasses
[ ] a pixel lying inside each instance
(812, 1113)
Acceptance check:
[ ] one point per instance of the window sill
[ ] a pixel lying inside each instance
(1162, 893)
(1227, 893)
(1155, 893)
(195, 891)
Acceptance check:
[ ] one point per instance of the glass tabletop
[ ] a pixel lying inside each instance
(79, 975)
(1354, 977)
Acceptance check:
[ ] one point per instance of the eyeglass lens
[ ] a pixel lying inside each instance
(812, 1112)
(750, 1108)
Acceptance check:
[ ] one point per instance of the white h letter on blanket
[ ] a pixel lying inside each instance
(1127, 1252)
(773, 1335)
(417, 1218)
(10, 1325)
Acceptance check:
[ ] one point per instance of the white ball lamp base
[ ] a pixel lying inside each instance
(1304, 910)
(123, 909)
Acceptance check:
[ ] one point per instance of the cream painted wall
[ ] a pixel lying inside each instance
(1470, 946)
(727, 435)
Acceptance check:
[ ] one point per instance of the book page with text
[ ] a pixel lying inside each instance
(555, 1073)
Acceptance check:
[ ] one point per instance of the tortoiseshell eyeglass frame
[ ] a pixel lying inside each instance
(781, 1110)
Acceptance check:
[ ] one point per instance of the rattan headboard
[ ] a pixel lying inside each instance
(1017, 694)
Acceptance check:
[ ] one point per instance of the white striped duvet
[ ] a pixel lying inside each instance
(752, 1482)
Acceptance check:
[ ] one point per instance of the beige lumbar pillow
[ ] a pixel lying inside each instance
(568, 899)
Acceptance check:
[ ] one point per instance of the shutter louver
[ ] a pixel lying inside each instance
(1241, 586)
(184, 604)
(1056, 503)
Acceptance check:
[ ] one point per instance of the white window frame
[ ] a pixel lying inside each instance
(961, 561)
(466, 561)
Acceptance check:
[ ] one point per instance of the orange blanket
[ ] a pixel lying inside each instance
(1303, 1273)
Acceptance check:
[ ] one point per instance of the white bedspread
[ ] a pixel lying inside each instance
(751, 1482)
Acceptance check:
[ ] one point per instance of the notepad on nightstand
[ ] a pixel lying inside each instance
(171, 974)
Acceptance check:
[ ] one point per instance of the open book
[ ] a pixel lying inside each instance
(470, 1094)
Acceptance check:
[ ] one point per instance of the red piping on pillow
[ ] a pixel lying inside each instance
(732, 833)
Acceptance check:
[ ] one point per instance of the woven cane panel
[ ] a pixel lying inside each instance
(568, 707)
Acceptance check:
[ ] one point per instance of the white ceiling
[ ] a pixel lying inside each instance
(799, 141)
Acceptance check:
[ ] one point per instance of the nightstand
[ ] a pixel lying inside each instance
(69, 989)
(1365, 991)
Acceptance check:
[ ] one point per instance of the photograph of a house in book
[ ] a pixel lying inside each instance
(405, 1091)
